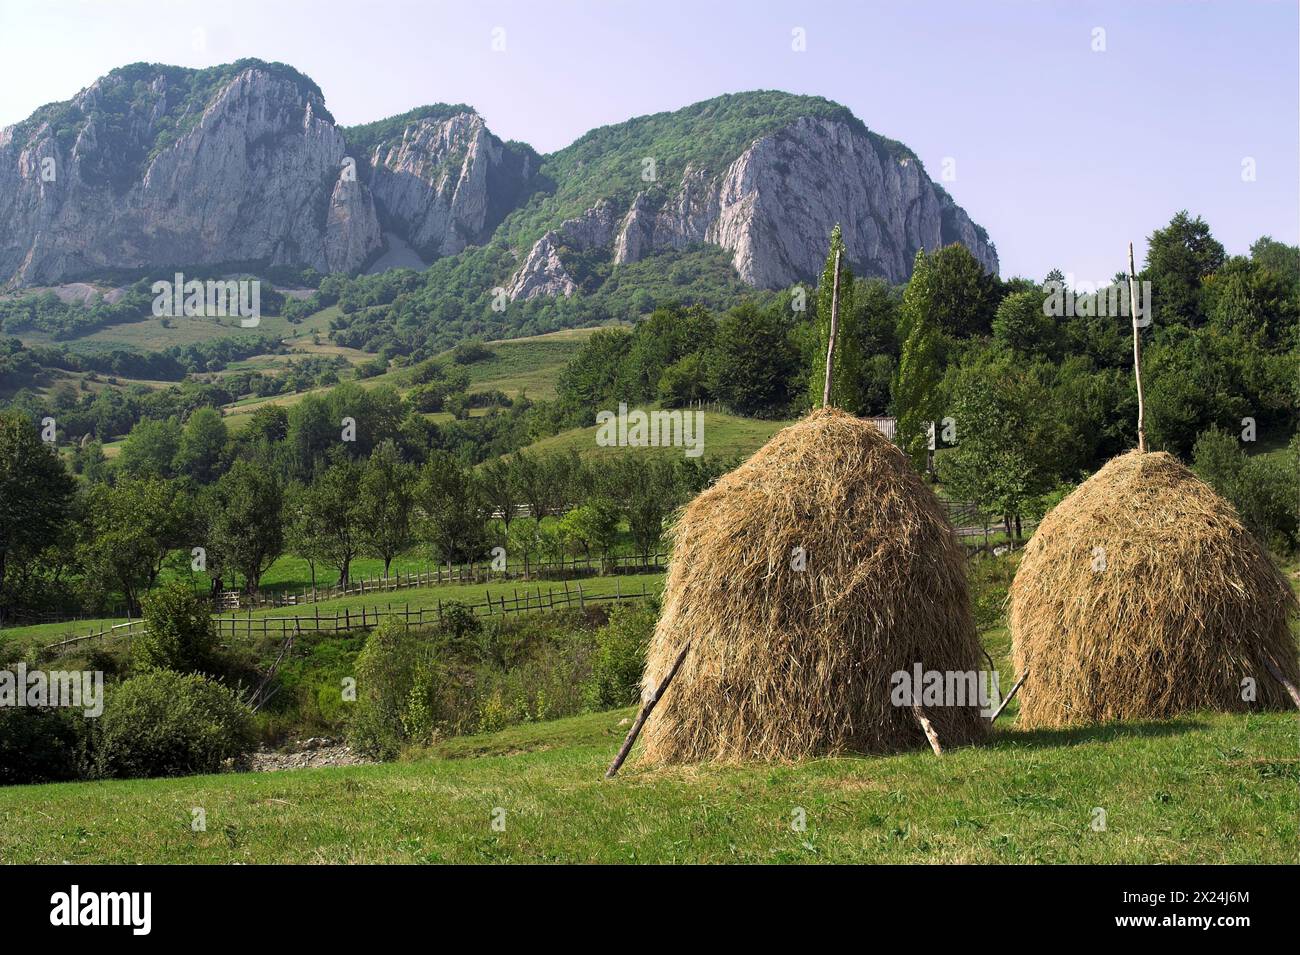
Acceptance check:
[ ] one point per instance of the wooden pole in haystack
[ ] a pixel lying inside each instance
(1137, 351)
(835, 328)
(928, 727)
(641, 717)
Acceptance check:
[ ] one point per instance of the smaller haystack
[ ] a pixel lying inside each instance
(1142, 596)
(788, 662)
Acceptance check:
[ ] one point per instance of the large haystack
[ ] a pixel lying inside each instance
(787, 663)
(1141, 596)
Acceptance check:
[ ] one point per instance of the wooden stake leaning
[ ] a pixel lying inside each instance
(1014, 690)
(641, 717)
(926, 725)
(1137, 351)
(1281, 678)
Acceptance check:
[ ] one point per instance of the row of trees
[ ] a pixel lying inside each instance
(108, 539)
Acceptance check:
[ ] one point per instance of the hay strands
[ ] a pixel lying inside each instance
(1281, 678)
(1014, 690)
(641, 717)
(926, 725)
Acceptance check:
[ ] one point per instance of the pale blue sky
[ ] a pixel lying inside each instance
(1063, 153)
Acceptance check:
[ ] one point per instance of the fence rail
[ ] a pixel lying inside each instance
(233, 627)
(471, 573)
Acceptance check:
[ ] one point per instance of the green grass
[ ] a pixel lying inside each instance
(415, 598)
(1204, 789)
(726, 437)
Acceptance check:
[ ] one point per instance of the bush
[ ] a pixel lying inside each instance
(164, 723)
(619, 659)
(39, 745)
(394, 673)
(179, 634)
(1263, 488)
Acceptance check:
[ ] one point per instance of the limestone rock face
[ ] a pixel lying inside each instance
(255, 174)
(774, 206)
(542, 272)
(447, 183)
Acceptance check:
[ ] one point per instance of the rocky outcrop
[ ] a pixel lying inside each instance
(774, 206)
(254, 174)
(447, 183)
(542, 272)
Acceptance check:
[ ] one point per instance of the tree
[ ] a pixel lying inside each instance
(916, 391)
(753, 360)
(35, 491)
(203, 439)
(593, 524)
(150, 449)
(963, 296)
(387, 499)
(846, 383)
(499, 490)
(1020, 325)
(1179, 257)
(448, 500)
(246, 529)
(178, 633)
(128, 531)
(331, 509)
(1011, 443)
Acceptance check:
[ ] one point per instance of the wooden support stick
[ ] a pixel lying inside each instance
(926, 725)
(1007, 699)
(835, 327)
(1137, 352)
(641, 717)
(1281, 678)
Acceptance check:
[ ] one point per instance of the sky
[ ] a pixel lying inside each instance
(1067, 129)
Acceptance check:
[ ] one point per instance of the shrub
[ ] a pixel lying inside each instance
(395, 671)
(619, 658)
(39, 745)
(164, 723)
(179, 634)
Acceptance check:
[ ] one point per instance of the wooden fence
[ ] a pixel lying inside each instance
(472, 573)
(233, 627)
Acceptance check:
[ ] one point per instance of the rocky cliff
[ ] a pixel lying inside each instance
(773, 208)
(447, 183)
(150, 168)
(161, 167)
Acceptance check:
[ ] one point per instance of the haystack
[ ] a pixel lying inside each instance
(1142, 596)
(787, 663)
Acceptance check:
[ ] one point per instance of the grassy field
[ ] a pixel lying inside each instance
(726, 436)
(1204, 789)
(415, 598)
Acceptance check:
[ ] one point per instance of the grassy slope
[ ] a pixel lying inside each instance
(416, 597)
(521, 364)
(1203, 789)
(725, 436)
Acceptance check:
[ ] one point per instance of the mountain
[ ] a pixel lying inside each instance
(156, 167)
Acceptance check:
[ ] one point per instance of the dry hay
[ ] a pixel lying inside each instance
(1142, 596)
(786, 663)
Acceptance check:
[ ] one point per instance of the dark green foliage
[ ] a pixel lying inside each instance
(619, 658)
(39, 745)
(754, 361)
(179, 634)
(164, 723)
